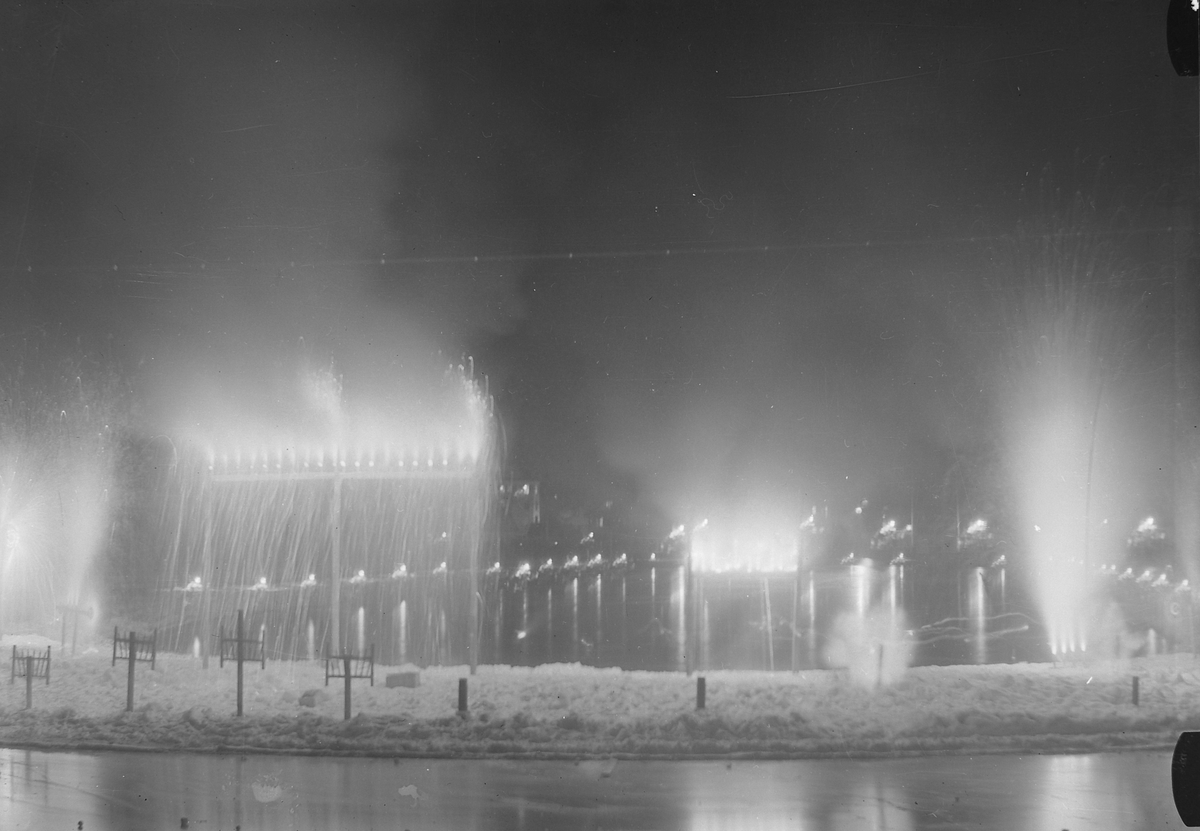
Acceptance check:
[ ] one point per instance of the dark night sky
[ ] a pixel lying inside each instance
(195, 187)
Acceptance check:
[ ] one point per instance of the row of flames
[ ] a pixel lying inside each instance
(310, 458)
(523, 571)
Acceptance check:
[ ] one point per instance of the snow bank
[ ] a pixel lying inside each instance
(575, 711)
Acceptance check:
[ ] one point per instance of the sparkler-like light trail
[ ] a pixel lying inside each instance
(1070, 328)
(295, 533)
(57, 475)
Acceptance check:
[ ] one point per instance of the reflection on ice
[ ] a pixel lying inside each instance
(781, 801)
(1083, 791)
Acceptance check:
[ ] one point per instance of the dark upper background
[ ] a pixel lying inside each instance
(194, 189)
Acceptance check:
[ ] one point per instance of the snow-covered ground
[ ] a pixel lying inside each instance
(575, 711)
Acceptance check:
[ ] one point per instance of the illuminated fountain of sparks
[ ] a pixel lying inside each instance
(755, 575)
(362, 532)
(1053, 503)
(749, 547)
(57, 474)
(1070, 328)
(739, 562)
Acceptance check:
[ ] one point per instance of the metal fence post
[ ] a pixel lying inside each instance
(132, 659)
(239, 661)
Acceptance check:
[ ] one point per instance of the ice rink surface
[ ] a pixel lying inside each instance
(129, 791)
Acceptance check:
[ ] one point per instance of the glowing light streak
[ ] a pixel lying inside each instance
(860, 575)
(978, 606)
(403, 623)
(361, 630)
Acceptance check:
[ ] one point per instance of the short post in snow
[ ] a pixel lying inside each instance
(240, 635)
(132, 659)
(234, 649)
(348, 667)
(31, 662)
(462, 695)
(1135, 691)
(130, 643)
(700, 692)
